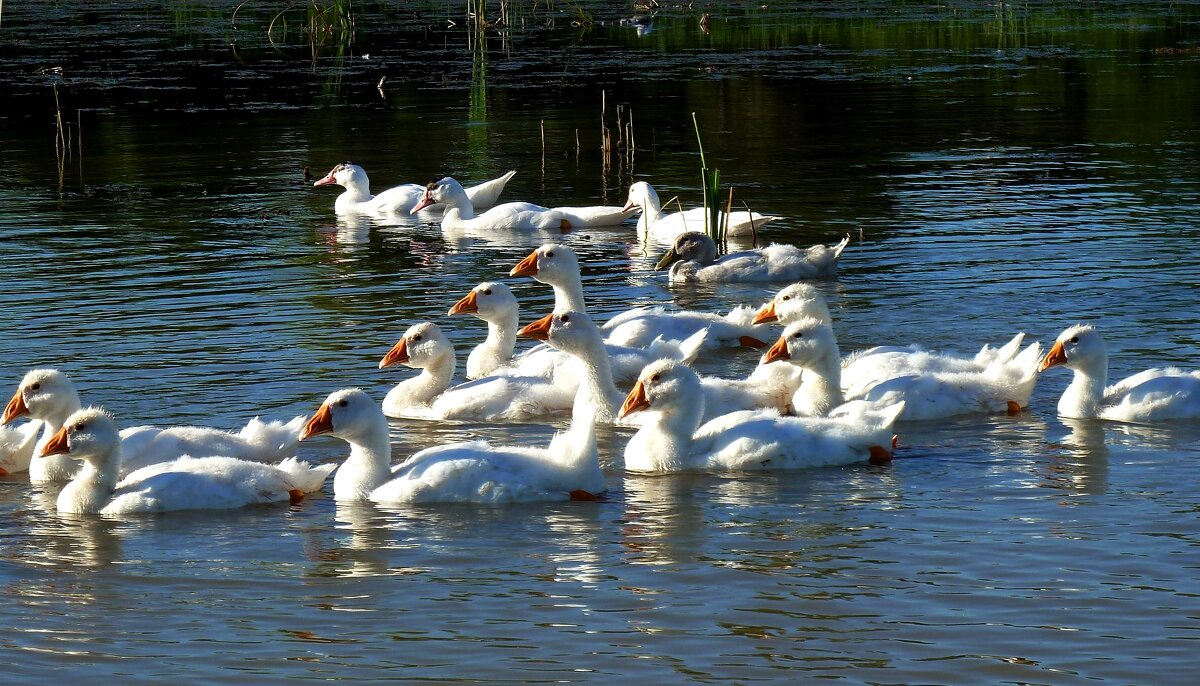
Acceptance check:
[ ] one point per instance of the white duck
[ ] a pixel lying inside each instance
(1004, 386)
(641, 326)
(460, 214)
(494, 303)
(693, 257)
(186, 483)
(569, 468)
(357, 198)
(429, 395)
(16, 447)
(1149, 396)
(672, 438)
(558, 266)
(666, 227)
(48, 395)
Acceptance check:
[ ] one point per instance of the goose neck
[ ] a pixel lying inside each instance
(1085, 394)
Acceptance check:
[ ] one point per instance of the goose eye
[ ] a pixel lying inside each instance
(550, 253)
(798, 334)
(35, 387)
(1074, 339)
(654, 378)
(565, 318)
(80, 426)
(417, 337)
(488, 292)
(343, 403)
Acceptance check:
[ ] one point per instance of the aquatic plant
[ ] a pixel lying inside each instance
(710, 180)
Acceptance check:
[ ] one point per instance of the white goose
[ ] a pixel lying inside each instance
(1149, 396)
(429, 395)
(494, 303)
(569, 468)
(641, 326)
(48, 395)
(357, 198)
(693, 257)
(460, 214)
(672, 439)
(186, 483)
(1004, 386)
(666, 227)
(558, 266)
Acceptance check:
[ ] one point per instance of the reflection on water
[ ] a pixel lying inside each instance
(1001, 168)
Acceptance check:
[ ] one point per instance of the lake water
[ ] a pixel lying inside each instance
(1012, 167)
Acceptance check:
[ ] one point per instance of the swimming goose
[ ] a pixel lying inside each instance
(430, 396)
(494, 303)
(693, 257)
(48, 395)
(558, 266)
(641, 326)
(1006, 385)
(401, 199)
(569, 468)
(672, 438)
(797, 301)
(186, 483)
(1149, 396)
(513, 215)
(666, 227)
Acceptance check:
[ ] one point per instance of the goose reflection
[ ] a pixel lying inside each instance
(73, 541)
(1082, 465)
(360, 543)
(664, 518)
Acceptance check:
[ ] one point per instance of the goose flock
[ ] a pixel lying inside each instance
(804, 404)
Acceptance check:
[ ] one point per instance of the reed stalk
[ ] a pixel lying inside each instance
(710, 180)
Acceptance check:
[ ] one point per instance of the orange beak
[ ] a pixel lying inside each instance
(397, 355)
(328, 179)
(629, 205)
(766, 314)
(57, 445)
(636, 400)
(539, 330)
(777, 352)
(467, 304)
(320, 423)
(527, 266)
(15, 408)
(426, 201)
(1055, 357)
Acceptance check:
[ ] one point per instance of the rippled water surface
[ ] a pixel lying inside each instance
(1001, 168)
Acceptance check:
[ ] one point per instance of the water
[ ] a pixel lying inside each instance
(1020, 169)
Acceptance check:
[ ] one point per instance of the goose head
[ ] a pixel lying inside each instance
(447, 190)
(346, 175)
(690, 246)
(348, 414)
(793, 303)
(806, 343)
(43, 393)
(553, 264)
(421, 345)
(570, 332)
(491, 301)
(641, 194)
(1079, 347)
(90, 435)
(665, 386)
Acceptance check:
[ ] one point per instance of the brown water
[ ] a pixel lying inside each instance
(1012, 167)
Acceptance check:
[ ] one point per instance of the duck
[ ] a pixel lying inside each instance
(672, 438)
(641, 326)
(187, 483)
(557, 265)
(476, 471)
(460, 215)
(666, 228)
(693, 257)
(494, 303)
(795, 301)
(1153, 395)
(48, 395)
(357, 198)
(16, 447)
(1005, 386)
(429, 395)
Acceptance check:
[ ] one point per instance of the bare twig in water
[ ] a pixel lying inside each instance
(753, 228)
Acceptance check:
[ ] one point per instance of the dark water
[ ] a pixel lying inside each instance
(1013, 167)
